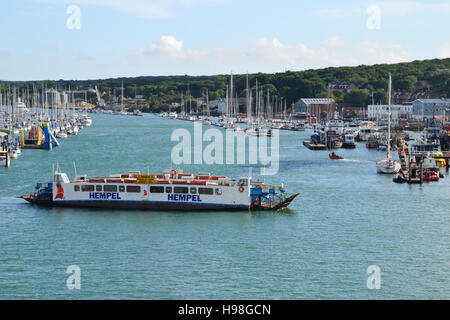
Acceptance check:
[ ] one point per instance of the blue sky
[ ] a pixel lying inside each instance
(154, 37)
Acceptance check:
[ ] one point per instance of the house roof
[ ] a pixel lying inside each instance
(434, 101)
(317, 101)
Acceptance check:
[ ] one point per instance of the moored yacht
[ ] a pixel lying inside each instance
(388, 166)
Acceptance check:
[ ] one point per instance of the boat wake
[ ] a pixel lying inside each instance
(355, 160)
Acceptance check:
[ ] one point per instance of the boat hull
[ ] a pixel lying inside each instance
(349, 145)
(385, 168)
(138, 205)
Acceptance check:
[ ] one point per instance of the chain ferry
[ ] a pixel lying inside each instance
(172, 190)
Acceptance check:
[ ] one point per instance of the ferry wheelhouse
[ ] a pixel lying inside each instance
(172, 190)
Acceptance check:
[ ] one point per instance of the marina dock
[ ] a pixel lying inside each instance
(4, 159)
(312, 146)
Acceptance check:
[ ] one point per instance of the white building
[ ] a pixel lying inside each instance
(430, 107)
(222, 106)
(397, 112)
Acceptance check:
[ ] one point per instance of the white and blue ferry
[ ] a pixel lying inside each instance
(172, 190)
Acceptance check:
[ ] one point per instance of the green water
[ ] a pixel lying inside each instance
(346, 219)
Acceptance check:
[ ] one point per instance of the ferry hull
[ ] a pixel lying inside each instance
(137, 205)
(147, 205)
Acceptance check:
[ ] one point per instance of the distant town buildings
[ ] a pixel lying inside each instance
(221, 106)
(381, 112)
(406, 97)
(343, 86)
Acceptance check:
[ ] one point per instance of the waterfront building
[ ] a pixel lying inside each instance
(314, 106)
(397, 111)
(427, 108)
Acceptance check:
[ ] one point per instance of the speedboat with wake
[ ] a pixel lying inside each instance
(334, 156)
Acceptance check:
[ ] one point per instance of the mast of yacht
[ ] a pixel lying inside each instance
(135, 95)
(257, 103)
(389, 119)
(208, 113)
(121, 99)
(47, 108)
(190, 100)
(231, 102)
(73, 105)
(13, 118)
(69, 111)
(182, 104)
(247, 101)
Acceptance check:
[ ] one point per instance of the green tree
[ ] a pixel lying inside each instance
(357, 98)
(448, 89)
(338, 96)
(380, 97)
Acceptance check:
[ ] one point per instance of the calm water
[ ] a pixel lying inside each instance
(346, 219)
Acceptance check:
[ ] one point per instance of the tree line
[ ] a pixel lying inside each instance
(160, 91)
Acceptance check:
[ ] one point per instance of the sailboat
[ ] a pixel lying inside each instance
(388, 166)
(122, 111)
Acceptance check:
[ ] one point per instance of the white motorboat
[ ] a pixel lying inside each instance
(13, 154)
(173, 115)
(61, 135)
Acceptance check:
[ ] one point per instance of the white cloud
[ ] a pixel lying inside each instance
(169, 55)
(276, 54)
(369, 52)
(168, 45)
(271, 55)
(337, 42)
(169, 48)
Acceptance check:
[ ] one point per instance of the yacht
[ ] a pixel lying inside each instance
(388, 166)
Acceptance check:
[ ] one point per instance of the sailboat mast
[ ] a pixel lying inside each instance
(207, 104)
(389, 116)
(247, 96)
(121, 99)
(257, 102)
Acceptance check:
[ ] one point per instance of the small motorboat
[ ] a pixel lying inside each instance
(431, 176)
(382, 148)
(400, 178)
(13, 154)
(334, 156)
